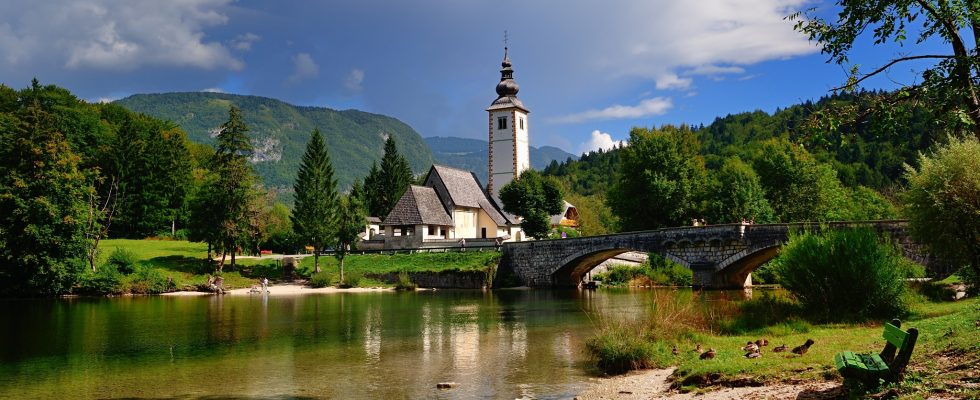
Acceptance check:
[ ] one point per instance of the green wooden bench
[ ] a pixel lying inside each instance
(870, 368)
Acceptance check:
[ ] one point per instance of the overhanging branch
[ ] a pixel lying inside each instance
(886, 66)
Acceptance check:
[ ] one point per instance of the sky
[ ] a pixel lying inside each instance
(588, 70)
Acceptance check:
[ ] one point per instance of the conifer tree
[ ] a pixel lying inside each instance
(386, 184)
(233, 186)
(314, 215)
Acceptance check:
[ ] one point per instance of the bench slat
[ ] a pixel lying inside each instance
(894, 335)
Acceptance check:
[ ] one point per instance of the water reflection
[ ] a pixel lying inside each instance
(503, 344)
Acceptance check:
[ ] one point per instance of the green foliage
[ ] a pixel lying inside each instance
(321, 280)
(350, 224)
(943, 203)
(535, 198)
(555, 233)
(660, 175)
(105, 280)
(385, 184)
(43, 197)
(149, 280)
(736, 194)
(594, 215)
(352, 279)
(658, 271)
(405, 282)
(622, 347)
(355, 138)
(844, 274)
(315, 213)
(122, 260)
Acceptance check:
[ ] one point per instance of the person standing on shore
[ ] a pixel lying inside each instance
(265, 284)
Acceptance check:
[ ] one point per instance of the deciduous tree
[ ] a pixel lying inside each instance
(534, 198)
(350, 224)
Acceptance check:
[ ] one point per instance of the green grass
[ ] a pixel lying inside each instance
(186, 263)
(948, 348)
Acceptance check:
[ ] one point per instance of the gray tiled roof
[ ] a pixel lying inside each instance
(505, 102)
(418, 206)
(465, 191)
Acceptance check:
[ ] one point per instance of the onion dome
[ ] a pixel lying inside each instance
(507, 87)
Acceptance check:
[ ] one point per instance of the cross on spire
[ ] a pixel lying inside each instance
(505, 38)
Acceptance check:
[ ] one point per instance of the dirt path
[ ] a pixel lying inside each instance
(652, 384)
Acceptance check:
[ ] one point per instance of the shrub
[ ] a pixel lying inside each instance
(405, 282)
(149, 280)
(105, 280)
(122, 260)
(843, 274)
(621, 347)
(667, 272)
(321, 280)
(657, 271)
(352, 278)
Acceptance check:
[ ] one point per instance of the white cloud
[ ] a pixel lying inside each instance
(715, 70)
(646, 108)
(111, 35)
(600, 140)
(244, 42)
(213, 90)
(304, 68)
(354, 80)
(104, 100)
(672, 81)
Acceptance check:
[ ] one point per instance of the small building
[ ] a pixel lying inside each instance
(567, 218)
(372, 227)
(452, 208)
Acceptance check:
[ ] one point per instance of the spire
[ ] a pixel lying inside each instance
(507, 87)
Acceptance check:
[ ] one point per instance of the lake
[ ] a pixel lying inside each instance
(494, 344)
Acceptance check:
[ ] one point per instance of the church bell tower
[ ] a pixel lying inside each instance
(508, 152)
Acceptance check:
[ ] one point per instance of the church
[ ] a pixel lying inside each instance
(453, 207)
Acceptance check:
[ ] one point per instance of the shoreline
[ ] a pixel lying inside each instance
(655, 384)
(288, 289)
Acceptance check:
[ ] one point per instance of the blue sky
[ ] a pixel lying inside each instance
(588, 70)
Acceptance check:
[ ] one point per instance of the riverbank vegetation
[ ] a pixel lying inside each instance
(656, 271)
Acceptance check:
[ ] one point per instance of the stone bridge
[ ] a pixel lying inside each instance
(721, 256)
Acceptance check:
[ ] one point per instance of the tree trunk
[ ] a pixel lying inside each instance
(234, 249)
(342, 270)
(316, 260)
(221, 264)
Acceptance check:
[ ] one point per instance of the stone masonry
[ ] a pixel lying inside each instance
(721, 256)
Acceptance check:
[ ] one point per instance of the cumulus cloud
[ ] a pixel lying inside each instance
(110, 35)
(244, 42)
(304, 68)
(672, 81)
(212, 90)
(646, 108)
(600, 140)
(354, 80)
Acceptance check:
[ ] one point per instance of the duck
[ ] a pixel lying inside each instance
(802, 349)
(753, 354)
(708, 354)
(697, 349)
(762, 342)
(751, 347)
(779, 349)
(674, 351)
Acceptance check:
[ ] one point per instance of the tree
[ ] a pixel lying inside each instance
(660, 176)
(350, 224)
(535, 198)
(943, 203)
(736, 194)
(387, 183)
(789, 176)
(315, 211)
(43, 202)
(233, 185)
(950, 85)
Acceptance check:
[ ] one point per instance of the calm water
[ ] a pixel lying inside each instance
(503, 344)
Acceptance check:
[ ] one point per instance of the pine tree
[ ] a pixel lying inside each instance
(314, 215)
(233, 185)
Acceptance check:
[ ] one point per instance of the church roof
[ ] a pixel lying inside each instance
(418, 206)
(465, 190)
(507, 88)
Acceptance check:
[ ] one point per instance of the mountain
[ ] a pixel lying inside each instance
(471, 154)
(280, 131)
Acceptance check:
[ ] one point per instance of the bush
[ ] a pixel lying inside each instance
(657, 271)
(122, 260)
(405, 282)
(843, 274)
(105, 280)
(149, 280)
(352, 279)
(622, 347)
(321, 280)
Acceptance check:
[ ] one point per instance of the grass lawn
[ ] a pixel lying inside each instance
(186, 263)
(946, 358)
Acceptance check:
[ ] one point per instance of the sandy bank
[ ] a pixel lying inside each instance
(653, 384)
(286, 290)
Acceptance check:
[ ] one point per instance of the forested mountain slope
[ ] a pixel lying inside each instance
(280, 131)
